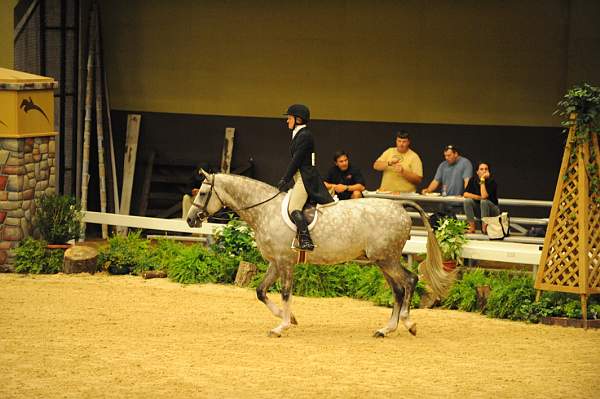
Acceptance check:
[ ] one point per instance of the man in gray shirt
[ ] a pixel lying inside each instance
(452, 175)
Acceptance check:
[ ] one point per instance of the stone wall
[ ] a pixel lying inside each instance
(27, 171)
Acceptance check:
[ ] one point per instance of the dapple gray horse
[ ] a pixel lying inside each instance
(371, 227)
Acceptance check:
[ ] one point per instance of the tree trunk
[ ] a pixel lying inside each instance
(245, 272)
(79, 259)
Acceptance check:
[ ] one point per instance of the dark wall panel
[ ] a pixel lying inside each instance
(525, 160)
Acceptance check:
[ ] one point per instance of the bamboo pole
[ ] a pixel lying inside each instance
(85, 164)
(80, 97)
(113, 180)
(100, 131)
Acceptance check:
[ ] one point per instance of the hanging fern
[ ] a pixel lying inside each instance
(584, 102)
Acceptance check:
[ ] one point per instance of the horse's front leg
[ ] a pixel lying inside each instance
(261, 292)
(287, 279)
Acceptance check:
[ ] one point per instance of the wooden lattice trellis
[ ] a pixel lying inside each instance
(570, 259)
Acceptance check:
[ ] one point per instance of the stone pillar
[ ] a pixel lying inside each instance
(27, 154)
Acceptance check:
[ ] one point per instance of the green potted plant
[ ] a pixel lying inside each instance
(451, 237)
(57, 218)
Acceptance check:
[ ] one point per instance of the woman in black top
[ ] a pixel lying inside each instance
(307, 182)
(481, 193)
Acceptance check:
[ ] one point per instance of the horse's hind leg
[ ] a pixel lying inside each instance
(261, 292)
(410, 280)
(402, 283)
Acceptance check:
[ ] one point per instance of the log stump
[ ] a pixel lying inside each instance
(245, 272)
(79, 259)
(154, 274)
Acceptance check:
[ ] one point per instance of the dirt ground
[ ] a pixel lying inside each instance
(82, 336)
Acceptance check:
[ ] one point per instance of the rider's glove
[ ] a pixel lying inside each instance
(282, 185)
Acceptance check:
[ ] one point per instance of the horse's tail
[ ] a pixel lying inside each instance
(431, 268)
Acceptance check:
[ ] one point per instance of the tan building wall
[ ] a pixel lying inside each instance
(464, 62)
(6, 33)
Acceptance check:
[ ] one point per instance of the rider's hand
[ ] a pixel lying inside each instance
(282, 185)
(195, 191)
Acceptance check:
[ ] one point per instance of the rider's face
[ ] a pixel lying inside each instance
(290, 122)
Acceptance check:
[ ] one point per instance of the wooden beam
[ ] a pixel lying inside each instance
(147, 183)
(227, 150)
(133, 132)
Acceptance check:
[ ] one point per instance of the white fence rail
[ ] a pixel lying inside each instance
(484, 250)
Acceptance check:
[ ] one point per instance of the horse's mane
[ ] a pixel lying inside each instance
(266, 185)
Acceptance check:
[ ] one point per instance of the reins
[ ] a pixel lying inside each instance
(214, 189)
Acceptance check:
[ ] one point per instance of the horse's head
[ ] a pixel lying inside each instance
(206, 202)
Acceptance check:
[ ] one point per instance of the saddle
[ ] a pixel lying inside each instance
(309, 210)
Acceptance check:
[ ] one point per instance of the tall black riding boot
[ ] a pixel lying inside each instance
(304, 239)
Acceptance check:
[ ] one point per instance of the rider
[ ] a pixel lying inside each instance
(307, 182)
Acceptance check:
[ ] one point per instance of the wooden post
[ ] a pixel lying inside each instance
(133, 132)
(227, 150)
(147, 183)
(245, 272)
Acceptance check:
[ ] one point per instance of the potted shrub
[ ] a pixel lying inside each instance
(57, 218)
(450, 234)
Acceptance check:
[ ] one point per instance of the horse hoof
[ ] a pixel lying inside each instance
(379, 334)
(273, 334)
(413, 330)
(293, 320)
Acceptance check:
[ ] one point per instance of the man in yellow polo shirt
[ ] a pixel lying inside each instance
(402, 168)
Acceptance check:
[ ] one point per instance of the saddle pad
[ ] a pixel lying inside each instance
(309, 211)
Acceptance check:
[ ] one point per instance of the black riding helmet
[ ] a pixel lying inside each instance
(300, 111)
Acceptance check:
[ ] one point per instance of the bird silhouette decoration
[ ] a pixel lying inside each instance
(28, 105)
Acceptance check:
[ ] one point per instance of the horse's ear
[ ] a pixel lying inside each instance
(203, 172)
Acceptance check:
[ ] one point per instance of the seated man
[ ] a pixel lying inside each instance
(402, 168)
(481, 194)
(343, 179)
(453, 174)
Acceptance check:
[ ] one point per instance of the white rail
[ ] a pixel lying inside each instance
(454, 199)
(483, 250)
(142, 222)
(512, 252)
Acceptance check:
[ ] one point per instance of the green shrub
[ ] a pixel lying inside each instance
(32, 256)
(512, 300)
(318, 281)
(57, 218)
(463, 294)
(372, 286)
(163, 254)
(126, 254)
(197, 264)
(236, 239)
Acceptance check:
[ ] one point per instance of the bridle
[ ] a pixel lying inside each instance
(203, 213)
